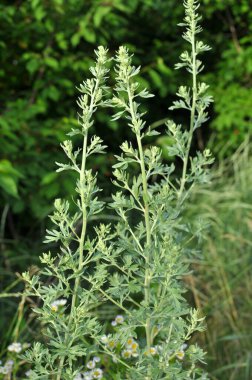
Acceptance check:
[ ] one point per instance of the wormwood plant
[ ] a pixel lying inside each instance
(133, 268)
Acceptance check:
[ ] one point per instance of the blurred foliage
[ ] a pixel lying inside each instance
(46, 47)
(222, 280)
(232, 73)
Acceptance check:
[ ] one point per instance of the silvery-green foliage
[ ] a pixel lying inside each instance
(194, 99)
(153, 253)
(136, 267)
(67, 308)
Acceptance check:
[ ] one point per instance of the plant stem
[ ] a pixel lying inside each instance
(84, 224)
(193, 110)
(148, 239)
(19, 317)
(81, 244)
(147, 280)
(84, 221)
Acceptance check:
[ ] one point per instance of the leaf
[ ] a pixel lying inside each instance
(179, 104)
(7, 168)
(156, 78)
(52, 93)
(75, 39)
(165, 142)
(145, 94)
(63, 167)
(151, 132)
(163, 68)
(51, 62)
(39, 13)
(118, 115)
(100, 13)
(33, 65)
(87, 33)
(8, 184)
(49, 178)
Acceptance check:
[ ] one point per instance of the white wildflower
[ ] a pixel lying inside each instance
(118, 320)
(104, 339)
(126, 354)
(7, 368)
(130, 341)
(87, 376)
(58, 303)
(9, 363)
(91, 364)
(15, 347)
(78, 376)
(4, 370)
(114, 359)
(111, 344)
(151, 351)
(181, 353)
(97, 373)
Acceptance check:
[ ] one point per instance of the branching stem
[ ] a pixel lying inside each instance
(147, 280)
(84, 223)
(193, 110)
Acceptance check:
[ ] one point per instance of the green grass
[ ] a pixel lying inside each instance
(222, 281)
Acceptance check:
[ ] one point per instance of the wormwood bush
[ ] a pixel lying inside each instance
(134, 268)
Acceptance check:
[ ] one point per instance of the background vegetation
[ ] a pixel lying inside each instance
(46, 48)
(222, 281)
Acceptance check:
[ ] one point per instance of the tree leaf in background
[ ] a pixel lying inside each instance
(9, 185)
(9, 178)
